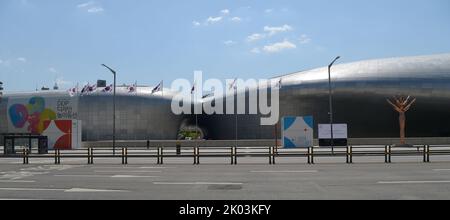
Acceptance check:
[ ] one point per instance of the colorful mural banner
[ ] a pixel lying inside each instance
(27, 115)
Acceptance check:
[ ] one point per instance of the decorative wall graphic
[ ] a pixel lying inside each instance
(63, 134)
(27, 115)
(298, 132)
(34, 113)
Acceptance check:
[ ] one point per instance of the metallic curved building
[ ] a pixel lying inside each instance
(360, 91)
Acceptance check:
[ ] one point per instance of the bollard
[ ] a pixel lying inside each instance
(235, 155)
(348, 155)
(424, 153)
(308, 155)
(123, 156)
(178, 149)
(274, 154)
(159, 155)
(89, 155)
(386, 154)
(351, 154)
(428, 153)
(126, 155)
(270, 155)
(198, 155)
(232, 158)
(148, 144)
(312, 155)
(195, 156)
(390, 153)
(25, 156)
(57, 157)
(162, 155)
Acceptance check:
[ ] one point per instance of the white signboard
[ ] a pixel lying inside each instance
(297, 132)
(340, 131)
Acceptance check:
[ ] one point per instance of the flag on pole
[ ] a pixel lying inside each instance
(85, 89)
(132, 88)
(233, 85)
(280, 83)
(92, 89)
(158, 88)
(108, 88)
(193, 88)
(73, 91)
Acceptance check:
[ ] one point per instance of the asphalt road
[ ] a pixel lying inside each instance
(215, 179)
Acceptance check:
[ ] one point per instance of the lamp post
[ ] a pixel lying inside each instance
(331, 102)
(114, 109)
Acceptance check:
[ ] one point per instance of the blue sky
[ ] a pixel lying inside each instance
(43, 41)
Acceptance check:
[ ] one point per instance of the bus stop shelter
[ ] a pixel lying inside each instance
(10, 141)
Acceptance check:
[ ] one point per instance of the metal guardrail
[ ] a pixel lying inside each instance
(234, 153)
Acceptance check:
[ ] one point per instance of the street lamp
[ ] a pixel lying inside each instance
(331, 102)
(114, 109)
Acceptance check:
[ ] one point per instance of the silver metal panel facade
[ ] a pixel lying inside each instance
(360, 91)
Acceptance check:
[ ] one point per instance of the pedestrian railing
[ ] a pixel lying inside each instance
(235, 154)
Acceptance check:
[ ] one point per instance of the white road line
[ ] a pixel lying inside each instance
(441, 170)
(129, 176)
(99, 167)
(17, 181)
(30, 189)
(194, 183)
(89, 176)
(106, 176)
(285, 171)
(415, 182)
(80, 190)
(127, 171)
(72, 190)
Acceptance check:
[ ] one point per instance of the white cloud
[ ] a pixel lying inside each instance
(52, 70)
(1, 61)
(255, 50)
(269, 10)
(213, 20)
(304, 39)
(86, 4)
(196, 23)
(278, 47)
(236, 19)
(229, 43)
(276, 30)
(255, 37)
(61, 82)
(91, 7)
(95, 10)
(22, 59)
(225, 11)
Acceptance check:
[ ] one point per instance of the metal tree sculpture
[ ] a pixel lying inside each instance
(402, 105)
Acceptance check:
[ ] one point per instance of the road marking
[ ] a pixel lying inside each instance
(285, 171)
(132, 167)
(90, 176)
(81, 190)
(72, 190)
(129, 176)
(415, 182)
(17, 181)
(127, 171)
(106, 176)
(441, 170)
(29, 189)
(194, 183)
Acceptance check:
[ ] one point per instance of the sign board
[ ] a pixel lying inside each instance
(340, 134)
(27, 115)
(298, 132)
(63, 134)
